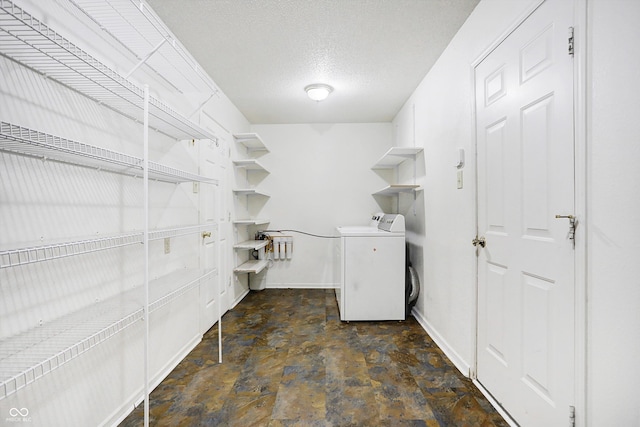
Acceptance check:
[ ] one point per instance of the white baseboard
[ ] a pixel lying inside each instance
(240, 298)
(301, 286)
(457, 360)
(459, 363)
(495, 404)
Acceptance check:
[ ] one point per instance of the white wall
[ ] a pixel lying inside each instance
(320, 177)
(441, 231)
(613, 202)
(441, 223)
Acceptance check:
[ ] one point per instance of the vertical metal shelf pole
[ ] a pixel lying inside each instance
(219, 318)
(145, 166)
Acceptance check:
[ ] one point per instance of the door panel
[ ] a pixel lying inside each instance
(212, 164)
(524, 115)
(209, 251)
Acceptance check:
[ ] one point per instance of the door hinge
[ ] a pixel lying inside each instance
(572, 416)
(570, 41)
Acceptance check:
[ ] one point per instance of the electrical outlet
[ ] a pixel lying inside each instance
(167, 245)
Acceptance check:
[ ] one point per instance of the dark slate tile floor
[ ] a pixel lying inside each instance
(290, 361)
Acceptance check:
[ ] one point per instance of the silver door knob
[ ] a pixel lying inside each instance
(479, 241)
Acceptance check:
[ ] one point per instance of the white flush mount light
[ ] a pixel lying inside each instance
(318, 91)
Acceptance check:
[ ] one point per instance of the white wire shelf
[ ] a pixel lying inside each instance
(23, 256)
(29, 41)
(29, 356)
(17, 257)
(139, 30)
(21, 140)
(396, 155)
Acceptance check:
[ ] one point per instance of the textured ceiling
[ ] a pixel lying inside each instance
(262, 53)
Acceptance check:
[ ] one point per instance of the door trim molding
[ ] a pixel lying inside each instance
(523, 17)
(580, 169)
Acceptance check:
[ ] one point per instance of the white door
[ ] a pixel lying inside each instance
(525, 161)
(209, 257)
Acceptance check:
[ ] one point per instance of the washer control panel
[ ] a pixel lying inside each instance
(393, 223)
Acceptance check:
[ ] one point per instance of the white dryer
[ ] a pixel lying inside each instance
(370, 270)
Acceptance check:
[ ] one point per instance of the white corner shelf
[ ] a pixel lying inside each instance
(251, 245)
(395, 189)
(250, 164)
(251, 221)
(395, 156)
(251, 141)
(27, 357)
(254, 266)
(32, 43)
(29, 142)
(249, 192)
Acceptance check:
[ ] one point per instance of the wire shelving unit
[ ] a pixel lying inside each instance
(29, 356)
(21, 140)
(32, 43)
(34, 254)
(153, 44)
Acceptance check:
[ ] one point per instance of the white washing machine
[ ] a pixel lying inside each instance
(370, 270)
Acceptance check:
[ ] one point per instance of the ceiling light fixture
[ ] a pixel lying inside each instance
(318, 91)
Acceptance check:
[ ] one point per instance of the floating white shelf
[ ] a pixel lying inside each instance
(250, 164)
(396, 189)
(20, 140)
(249, 192)
(35, 45)
(28, 356)
(395, 156)
(254, 266)
(251, 221)
(251, 245)
(251, 141)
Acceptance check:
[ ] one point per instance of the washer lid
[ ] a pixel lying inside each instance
(361, 231)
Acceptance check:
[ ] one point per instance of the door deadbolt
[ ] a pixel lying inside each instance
(479, 241)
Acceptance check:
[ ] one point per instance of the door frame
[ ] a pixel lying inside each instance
(580, 203)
